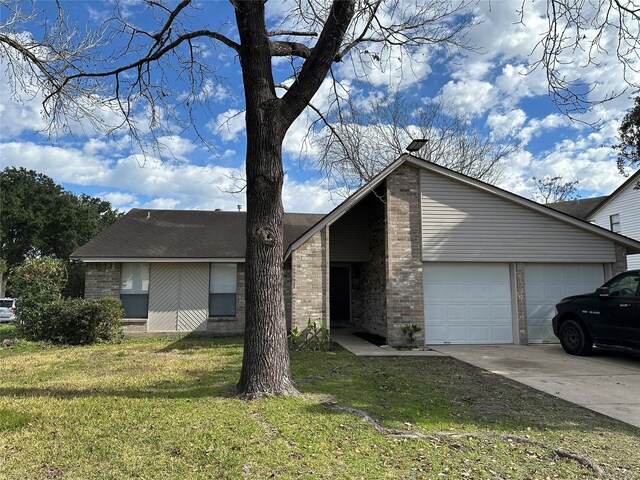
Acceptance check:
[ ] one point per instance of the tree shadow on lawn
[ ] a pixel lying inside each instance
(439, 394)
(199, 384)
(435, 393)
(196, 341)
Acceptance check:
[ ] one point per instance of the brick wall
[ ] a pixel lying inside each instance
(310, 281)
(231, 325)
(368, 303)
(521, 305)
(102, 280)
(620, 264)
(404, 261)
(286, 279)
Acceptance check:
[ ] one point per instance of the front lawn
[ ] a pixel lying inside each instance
(162, 408)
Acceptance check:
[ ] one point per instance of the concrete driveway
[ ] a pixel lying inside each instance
(606, 382)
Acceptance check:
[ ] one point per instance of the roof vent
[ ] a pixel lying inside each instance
(148, 214)
(240, 207)
(218, 210)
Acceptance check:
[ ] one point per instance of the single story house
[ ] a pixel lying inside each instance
(420, 244)
(618, 212)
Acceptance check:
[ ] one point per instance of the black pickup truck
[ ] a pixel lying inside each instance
(609, 317)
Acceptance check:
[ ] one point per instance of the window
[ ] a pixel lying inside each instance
(614, 220)
(134, 290)
(222, 290)
(626, 286)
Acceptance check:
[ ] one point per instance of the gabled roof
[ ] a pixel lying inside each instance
(633, 246)
(632, 179)
(341, 209)
(185, 235)
(580, 208)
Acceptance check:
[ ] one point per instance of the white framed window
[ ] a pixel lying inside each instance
(222, 289)
(614, 221)
(134, 289)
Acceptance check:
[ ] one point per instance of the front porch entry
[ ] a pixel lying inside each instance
(340, 295)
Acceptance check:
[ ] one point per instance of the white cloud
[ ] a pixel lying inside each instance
(468, 97)
(536, 126)
(504, 124)
(473, 68)
(118, 199)
(228, 125)
(163, 203)
(208, 91)
(169, 185)
(308, 197)
(174, 146)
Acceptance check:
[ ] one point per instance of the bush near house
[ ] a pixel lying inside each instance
(76, 321)
(43, 314)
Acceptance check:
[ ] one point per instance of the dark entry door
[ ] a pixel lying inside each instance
(340, 295)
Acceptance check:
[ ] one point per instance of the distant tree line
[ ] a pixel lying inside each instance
(39, 218)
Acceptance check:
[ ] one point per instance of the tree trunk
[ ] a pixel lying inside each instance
(265, 364)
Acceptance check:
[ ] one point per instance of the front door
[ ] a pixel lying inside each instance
(340, 295)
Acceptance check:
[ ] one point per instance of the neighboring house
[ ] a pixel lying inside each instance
(419, 244)
(618, 212)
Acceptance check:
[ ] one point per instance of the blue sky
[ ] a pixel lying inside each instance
(495, 89)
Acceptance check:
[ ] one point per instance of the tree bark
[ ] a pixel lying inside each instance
(265, 363)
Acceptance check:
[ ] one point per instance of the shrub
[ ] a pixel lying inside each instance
(76, 321)
(44, 315)
(36, 283)
(313, 338)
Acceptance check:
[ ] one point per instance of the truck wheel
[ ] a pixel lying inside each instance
(575, 339)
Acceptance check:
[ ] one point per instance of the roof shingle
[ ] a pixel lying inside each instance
(578, 208)
(193, 234)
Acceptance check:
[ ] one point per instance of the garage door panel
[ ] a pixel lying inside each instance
(479, 335)
(501, 312)
(479, 292)
(479, 312)
(546, 284)
(467, 303)
(457, 312)
(434, 290)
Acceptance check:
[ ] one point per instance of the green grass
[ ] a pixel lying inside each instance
(165, 408)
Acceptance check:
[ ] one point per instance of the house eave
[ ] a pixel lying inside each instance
(158, 259)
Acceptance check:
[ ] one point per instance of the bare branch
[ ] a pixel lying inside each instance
(579, 35)
(293, 33)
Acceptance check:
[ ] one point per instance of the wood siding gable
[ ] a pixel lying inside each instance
(463, 223)
(626, 204)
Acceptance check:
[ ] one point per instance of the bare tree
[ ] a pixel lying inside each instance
(580, 33)
(552, 189)
(139, 72)
(362, 140)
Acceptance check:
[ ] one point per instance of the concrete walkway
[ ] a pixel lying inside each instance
(362, 348)
(606, 382)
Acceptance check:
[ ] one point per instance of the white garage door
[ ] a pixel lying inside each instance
(467, 303)
(546, 284)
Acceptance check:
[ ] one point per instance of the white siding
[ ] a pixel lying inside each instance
(627, 205)
(178, 297)
(463, 223)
